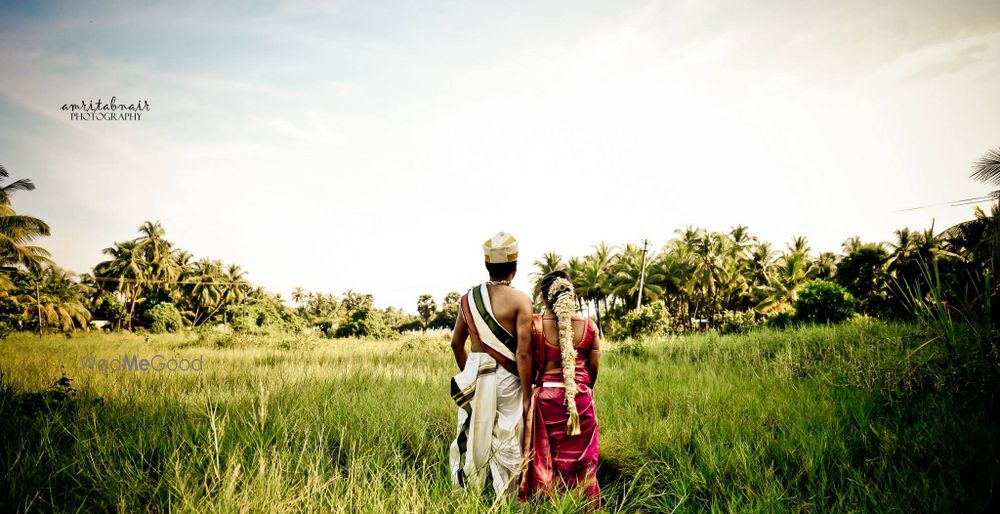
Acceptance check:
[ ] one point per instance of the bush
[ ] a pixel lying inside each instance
(737, 322)
(109, 308)
(365, 323)
(164, 317)
(632, 348)
(823, 302)
(411, 326)
(263, 316)
(652, 319)
(782, 319)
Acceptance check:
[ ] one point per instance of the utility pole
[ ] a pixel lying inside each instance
(642, 274)
(38, 307)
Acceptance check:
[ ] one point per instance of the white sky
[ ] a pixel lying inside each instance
(374, 146)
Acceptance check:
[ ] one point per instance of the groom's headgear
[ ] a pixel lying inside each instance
(500, 248)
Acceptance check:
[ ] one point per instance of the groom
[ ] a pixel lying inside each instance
(497, 318)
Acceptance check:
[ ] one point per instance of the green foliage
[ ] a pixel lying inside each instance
(365, 323)
(781, 319)
(862, 273)
(651, 319)
(632, 348)
(821, 301)
(426, 306)
(109, 308)
(163, 317)
(263, 316)
(410, 326)
(738, 322)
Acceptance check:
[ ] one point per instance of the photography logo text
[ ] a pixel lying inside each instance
(99, 110)
(156, 363)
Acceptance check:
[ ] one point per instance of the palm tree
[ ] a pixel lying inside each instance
(761, 259)
(125, 273)
(673, 268)
(986, 169)
(17, 231)
(602, 258)
(626, 274)
(575, 270)
(851, 244)
(550, 261)
(587, 281)
(784, 282)
(203, 289)
(157, 251)
(707, 258)
(7, 191)
(52, 297)
(426, 306)
(824, 267)
(799, 244)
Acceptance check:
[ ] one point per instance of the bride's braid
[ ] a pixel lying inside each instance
(560, 295)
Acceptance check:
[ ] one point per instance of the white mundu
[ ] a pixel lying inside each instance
(488, 396)
(488, 441)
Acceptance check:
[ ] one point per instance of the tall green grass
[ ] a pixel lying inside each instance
(815, 419)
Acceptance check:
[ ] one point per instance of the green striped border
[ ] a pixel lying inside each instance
(501, 333)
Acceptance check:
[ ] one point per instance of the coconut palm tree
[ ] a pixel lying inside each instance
(626, 274)
(707, 258)
(125, 273)
(602, 258)
(158, 252)
(17, 231)
(824, 267)
(851, 244)
(549, 262)
(987, 169)
(204, 289)
(788, 276)
(51, 297)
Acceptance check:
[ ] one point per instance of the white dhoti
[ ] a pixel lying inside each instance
(488, 441)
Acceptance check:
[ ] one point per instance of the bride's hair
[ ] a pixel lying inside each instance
(559, 295)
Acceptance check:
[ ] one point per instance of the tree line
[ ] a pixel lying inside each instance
(699, 279)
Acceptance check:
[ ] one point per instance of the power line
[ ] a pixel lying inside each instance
(956, 203)
(164, 281)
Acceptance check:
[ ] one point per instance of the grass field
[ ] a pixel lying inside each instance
(816, 419)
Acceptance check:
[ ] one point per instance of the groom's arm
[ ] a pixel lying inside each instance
(458, 337)
(523, 355)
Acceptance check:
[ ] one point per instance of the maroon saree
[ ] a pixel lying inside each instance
(554, 460)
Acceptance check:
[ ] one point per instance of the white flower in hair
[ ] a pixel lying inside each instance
(564, 305)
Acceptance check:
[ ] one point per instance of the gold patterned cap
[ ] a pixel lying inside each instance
(500, 248)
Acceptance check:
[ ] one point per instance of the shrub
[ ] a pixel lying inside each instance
(738, 322)
(823, 302)
(651, 319)
(411, 326)
(109, 308)
(632, 348)
(164, 317)
(263, 316)
(365, 323)
(782, 319)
